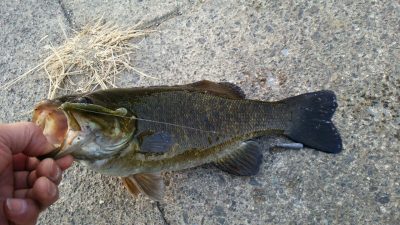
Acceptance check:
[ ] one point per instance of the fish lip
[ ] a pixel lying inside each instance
(54, 154)
(71, 120)
(38, 111)
(94, 108)
(73, 127)
(51, 120)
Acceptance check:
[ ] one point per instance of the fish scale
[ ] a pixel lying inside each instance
(225, 118)
(136, 133)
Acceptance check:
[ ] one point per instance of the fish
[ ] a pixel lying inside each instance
(138, 133)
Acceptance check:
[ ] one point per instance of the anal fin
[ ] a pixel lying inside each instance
(245, 160)
(150, 184)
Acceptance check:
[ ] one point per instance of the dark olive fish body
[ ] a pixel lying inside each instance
(172, 128)
(202, 127)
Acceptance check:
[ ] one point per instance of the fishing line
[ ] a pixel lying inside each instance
(151, 121)
(176, 125)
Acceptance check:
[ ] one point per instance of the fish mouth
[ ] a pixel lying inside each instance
(71, 126)
(60, 127)
(52, 120)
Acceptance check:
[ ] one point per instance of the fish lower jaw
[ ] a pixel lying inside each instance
(104, 167)
(97, 165)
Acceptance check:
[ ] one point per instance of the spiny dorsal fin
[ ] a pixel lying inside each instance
(244, 161)
(223, 89)
(150, 184)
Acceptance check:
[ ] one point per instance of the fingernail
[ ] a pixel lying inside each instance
(51, 190)
(56, 172)
(16, 206)
(49, 147)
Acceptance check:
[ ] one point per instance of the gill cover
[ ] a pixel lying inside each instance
(95, 132)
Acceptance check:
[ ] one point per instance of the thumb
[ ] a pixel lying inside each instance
(23, 137)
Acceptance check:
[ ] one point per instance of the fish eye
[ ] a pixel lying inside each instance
(84, 100)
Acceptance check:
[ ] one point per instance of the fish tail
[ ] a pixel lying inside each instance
(311, 124)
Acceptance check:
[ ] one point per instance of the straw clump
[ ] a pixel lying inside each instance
(92, 59)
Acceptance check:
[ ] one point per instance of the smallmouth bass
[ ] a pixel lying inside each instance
(136, 133)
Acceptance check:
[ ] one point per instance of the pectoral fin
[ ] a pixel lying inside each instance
(150, 184)
(155, 142)
(244, 161)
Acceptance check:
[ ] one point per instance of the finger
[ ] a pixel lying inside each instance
(19, 162)
(6, 174)
(25, 179)
(22, 162)
(32, 163)
(21, 211)
(5, 159)
(24, 137)
(22, 193)
(32, 177)
(50, 169)
(65, 162)
(21, 180)
(43, 192)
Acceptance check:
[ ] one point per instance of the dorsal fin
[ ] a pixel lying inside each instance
(223, 89)
(150, 184)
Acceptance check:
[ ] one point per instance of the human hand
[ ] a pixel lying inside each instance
(27, 185)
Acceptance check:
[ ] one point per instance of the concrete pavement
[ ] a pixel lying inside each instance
(272, 49)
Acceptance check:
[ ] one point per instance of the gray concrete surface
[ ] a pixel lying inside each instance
(273, 49)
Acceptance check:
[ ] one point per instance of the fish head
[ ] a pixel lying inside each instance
(86, 131)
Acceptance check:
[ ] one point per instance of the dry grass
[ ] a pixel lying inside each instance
(92, 59)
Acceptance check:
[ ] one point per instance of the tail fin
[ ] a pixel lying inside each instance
(311, 121)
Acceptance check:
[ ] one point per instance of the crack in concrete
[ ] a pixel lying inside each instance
(67, 14)
(161, 209)
(169, 15)
(161, 19)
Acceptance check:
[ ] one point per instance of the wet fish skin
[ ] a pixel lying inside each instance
(178, 127)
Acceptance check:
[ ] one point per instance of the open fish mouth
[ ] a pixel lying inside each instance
(52, 120)
(77, 128)
(60, 127)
